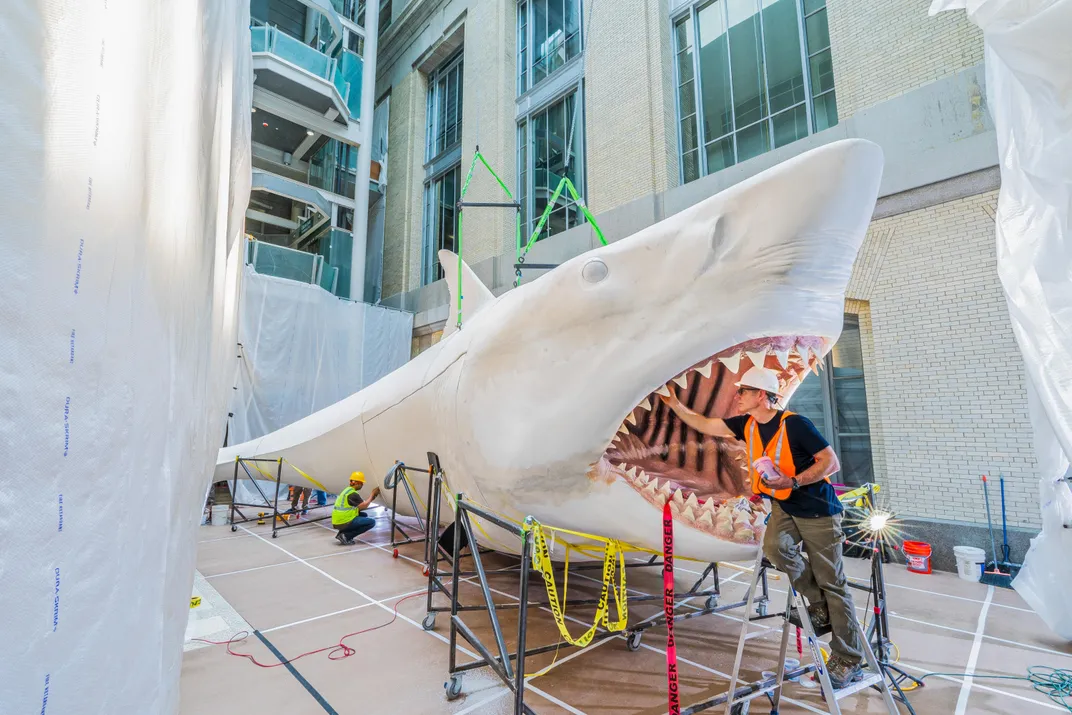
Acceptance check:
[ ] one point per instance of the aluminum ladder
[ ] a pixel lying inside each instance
(795, 606)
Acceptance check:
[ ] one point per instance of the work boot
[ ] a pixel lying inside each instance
(843, 671)
(820, 617)
(340, 538)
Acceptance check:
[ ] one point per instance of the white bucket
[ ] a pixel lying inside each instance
(970, 562)
(220, 513)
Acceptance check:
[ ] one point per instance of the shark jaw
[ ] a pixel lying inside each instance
(704, 478)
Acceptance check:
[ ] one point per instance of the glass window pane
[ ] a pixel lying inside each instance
(822, 72)
(825, 112)
(857, 465)
(688, 134)
(790, 125)
(808, 401)
(847, 353)
(685, 69)
(720, 154)
(687, 98)
(781, 40)
(539, 40)
(753, 141)
(746, 59)
(714, 73)
(683, 34)
(690, 163)
(818, 32)
(812, 5)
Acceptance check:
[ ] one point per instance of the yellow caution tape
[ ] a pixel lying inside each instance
(195, 601)
(319, 486)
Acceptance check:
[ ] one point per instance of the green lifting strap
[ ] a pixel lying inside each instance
(565, 183)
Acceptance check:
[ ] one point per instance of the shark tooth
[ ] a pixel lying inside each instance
(757, 357)
(631, 418)
(675, 508)
(693, 501)
(783, 357)
(732, 363)
(663, 390)
(660, 499)
(802, 351)
(709, 505)
(666, 489)
(646, 405)
(649, 488)
(682, 380)
(631, 472)
(705, 370)
(643, 478)
(688, 514)
(623, 429)
(705, 520)
(814, 366)
(678, 499)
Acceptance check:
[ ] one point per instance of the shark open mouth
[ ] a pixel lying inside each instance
(704, 478)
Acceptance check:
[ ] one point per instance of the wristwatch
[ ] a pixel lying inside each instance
(796, 484)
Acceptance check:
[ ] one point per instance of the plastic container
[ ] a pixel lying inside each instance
(918, 556)
(220, 512)
(970, 562)
(765, 466)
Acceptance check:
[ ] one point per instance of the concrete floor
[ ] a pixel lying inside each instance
(304, 591)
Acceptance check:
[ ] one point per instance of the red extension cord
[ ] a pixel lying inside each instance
(346, 650)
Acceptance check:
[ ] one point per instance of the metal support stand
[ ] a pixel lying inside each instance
(279, 522)
(394, 478)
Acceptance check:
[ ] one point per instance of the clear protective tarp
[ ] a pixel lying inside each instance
(123, 187)
(1028, 57)
(301, 350)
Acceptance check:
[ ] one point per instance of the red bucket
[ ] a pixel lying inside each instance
(918, 555)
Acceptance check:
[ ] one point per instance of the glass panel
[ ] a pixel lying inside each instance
(808, 401)
(818, 32)
(813, 5)
(714, 73)
(691, 166)
(539, 40)
(781, 41)
(685, 70)
(825, 111)
(550, 133)
(790, 126)
(683, 34)
(746, 59)
(847, 353)
(753, 141)
(522, 44)
(523, 171)
(720, 154)
(822, 72)
(850, 398)
(687, 98)
(302, 55)
(857, 464)
(556, 37)
(688, 134)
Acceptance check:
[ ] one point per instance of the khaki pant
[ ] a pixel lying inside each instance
(821, 576)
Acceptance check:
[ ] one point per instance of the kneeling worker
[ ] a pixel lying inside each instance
(804, 507)
(346, 515)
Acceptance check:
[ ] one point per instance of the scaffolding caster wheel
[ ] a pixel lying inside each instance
(761, 608)
(453, 687)
(275, 535)
(742, 709)
(395, 553)
(234, 528)
(424, 570)
(711, 603)
(633, 641)
(429, 624)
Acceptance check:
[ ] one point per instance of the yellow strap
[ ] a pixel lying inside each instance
(319, 486)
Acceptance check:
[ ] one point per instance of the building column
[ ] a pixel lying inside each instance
(364, 152)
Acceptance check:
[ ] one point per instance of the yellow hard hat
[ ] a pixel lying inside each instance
(358, 477)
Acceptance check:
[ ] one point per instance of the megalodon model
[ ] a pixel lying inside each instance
(546, 401)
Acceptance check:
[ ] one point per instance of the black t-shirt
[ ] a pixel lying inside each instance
(355, 500)
(810, 500)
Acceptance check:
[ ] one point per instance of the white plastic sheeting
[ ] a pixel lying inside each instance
(123, 183)
(303, 349)
(1029, 92)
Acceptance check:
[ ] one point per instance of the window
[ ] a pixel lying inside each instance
(355, 43)
(751, 77)
(444, 130)
(548, 36)
(544, 138)
(440, 220)
(836, 401)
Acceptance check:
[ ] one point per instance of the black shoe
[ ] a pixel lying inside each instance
(843, 672)
(340, 538)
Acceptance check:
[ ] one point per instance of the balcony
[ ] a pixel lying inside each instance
(271, 260)
(289, 68)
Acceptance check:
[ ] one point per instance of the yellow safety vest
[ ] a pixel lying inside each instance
(342, 513)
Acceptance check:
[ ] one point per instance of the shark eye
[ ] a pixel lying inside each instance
(594, 271)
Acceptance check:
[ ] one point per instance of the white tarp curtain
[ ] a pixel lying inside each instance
(1028, 55)
(303, 349)
(125, 177)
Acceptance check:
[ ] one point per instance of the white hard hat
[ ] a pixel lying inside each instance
(762, 379)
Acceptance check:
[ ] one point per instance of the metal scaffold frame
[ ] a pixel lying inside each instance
(280, 519)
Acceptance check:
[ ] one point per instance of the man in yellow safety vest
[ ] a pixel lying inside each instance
(804, 506)
(346, 515)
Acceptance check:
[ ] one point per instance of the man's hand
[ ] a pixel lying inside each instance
(375, 493)
(780, 481)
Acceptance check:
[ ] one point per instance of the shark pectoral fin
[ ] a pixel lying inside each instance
(475, 295)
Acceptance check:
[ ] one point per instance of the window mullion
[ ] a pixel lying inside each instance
(697, 80)
(808, 100)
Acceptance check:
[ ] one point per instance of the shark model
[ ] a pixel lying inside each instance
(546, 401)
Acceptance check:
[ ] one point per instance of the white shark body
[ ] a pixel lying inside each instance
(544, 402)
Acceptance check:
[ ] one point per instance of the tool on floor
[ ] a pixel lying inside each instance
(796, 614)
(1000, 571)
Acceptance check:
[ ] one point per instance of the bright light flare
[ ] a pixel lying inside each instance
(876, 525)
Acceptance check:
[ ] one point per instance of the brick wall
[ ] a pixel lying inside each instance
(945, 385)
(402, 203)
(629, 103)
(884, 49)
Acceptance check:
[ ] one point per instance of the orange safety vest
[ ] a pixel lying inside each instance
(779, 452)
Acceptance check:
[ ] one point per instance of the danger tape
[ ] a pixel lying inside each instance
(673, 692)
